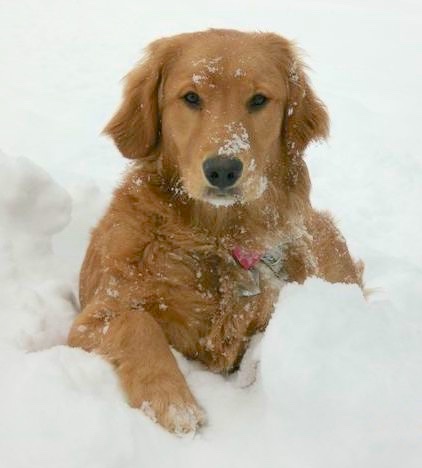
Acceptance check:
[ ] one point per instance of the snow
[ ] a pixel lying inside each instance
(238, 73)
(335, 381)
(197, 79)
(211, 65)
(221, 201)
(237, 142)
(344, 364)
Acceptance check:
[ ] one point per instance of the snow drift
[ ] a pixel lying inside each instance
(335, 380)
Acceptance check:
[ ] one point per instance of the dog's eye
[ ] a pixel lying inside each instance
(257, 101)
(192, 99)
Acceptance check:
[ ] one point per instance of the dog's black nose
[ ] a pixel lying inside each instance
(222, 172)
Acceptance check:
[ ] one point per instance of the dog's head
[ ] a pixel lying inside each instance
(226, 112)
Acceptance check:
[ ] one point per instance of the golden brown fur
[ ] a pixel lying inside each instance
(159, 269)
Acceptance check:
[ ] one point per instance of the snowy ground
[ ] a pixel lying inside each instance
(340, 380)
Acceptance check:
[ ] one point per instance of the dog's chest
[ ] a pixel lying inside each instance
(208, 304)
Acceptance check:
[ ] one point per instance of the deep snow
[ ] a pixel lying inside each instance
(339, 379)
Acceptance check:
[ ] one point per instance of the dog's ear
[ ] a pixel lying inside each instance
(135, 128)
(305, 116)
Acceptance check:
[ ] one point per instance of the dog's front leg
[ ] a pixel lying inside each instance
(135, 344)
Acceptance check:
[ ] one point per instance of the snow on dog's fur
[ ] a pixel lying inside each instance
(160, 269)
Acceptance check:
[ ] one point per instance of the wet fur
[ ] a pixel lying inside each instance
(158, 270)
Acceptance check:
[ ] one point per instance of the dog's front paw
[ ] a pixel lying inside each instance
(177, 411)
(183, 419)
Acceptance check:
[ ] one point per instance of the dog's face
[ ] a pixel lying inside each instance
(222, 114)
(220, 108)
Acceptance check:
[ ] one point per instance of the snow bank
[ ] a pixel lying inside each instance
(36, 305)
(344, 375)
(334, 381)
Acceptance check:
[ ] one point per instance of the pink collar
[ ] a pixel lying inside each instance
(246, 258)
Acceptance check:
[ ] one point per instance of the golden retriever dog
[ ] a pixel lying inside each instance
(212, 217)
